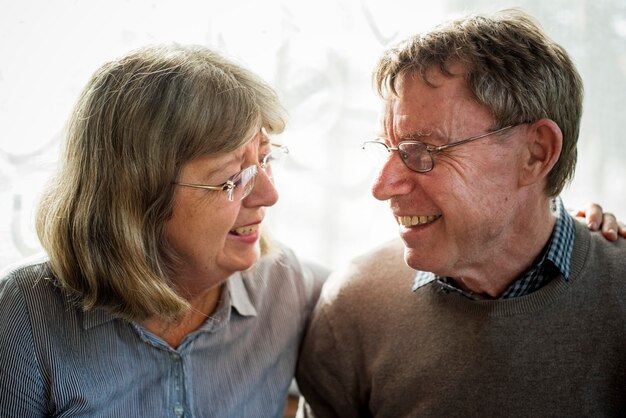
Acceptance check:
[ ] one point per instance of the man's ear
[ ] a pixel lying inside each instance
(544, 141)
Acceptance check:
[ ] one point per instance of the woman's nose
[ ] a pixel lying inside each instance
(264, 192)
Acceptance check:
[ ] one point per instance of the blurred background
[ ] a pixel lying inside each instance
(319, 56)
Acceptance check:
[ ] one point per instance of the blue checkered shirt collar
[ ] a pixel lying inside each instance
(554, 260)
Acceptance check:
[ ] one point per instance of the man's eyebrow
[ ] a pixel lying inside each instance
(416, 134)
(408, 136)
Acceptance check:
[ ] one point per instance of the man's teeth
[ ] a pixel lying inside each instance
(417, 220)
(245, 230)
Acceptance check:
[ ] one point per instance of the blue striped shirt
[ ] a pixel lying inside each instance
(554, 260)
(56, 360)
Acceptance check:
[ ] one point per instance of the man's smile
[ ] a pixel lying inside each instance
(416, 219)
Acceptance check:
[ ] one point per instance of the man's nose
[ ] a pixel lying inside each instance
(393, 179)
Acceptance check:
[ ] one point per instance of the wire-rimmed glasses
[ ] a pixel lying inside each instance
(416, 155)
(278, 153)
(237, 187)
(240, 185)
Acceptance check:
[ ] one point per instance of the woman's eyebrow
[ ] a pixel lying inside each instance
(265, 138)
(218, 167)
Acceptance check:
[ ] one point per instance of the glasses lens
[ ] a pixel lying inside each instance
(243, 183)
(416, 156)
(276, 156)
(376, 151)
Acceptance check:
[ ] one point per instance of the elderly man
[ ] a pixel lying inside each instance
(515, 310)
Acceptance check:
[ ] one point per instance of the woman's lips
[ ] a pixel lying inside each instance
(245, 230)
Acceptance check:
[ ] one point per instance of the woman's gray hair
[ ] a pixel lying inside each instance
(512, 67)
(138, 120)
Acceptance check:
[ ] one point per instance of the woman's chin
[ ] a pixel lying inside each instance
(244, 260)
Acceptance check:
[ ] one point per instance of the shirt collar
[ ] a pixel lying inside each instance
(238, 297)
(422, 278)
(558, 252)
(561, 243)
(96, 317)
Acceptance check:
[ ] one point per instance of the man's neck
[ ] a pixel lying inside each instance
(529, 235)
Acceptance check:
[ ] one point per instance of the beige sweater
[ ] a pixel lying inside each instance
(375, 348)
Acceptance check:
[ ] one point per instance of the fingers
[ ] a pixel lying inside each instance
(609, 226)
(593, 216)
(596, 220)
(622, 229)
(612, 229)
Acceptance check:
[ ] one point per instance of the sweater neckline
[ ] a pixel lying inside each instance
(532, 302)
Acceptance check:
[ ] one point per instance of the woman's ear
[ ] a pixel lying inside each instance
(544, 141)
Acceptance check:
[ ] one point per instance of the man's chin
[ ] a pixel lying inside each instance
(419, 259)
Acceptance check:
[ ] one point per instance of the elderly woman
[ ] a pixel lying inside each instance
(160, 296)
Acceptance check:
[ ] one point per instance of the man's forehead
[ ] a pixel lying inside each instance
(401, 121)
(421, 109)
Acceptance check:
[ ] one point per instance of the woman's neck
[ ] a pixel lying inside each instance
(201, 307)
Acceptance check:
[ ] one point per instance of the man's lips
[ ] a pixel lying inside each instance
(413, 220)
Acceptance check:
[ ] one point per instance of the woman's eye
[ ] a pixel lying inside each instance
(222, 180)
(263, 152)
